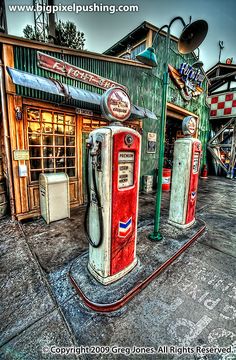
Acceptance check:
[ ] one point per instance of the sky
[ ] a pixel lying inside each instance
(103, 29)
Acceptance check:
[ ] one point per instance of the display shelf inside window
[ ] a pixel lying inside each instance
(52, 139)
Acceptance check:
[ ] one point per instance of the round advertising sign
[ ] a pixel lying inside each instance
(116, 105)
(189, 125)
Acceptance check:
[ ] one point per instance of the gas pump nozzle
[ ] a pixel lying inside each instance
(94, 145)
(95, 151)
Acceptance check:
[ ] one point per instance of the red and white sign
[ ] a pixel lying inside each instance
(58, 66)
(222, 105)
(116, 105)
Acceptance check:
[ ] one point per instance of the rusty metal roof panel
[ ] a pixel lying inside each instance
(53, 86)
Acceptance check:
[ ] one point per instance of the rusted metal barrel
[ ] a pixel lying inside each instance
(166, 176)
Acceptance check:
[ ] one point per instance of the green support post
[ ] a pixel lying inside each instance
(156, 235)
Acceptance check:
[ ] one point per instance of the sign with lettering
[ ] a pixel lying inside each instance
(58, 66)
(188, 80)
(84, 112)
(126, 156)
(151, 142)
(21, 154)
(116, 105)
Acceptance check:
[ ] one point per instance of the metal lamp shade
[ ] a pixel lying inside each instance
(148, 57)
(192, 36)
(197, 64)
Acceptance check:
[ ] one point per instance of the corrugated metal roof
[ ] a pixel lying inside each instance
(53, 86)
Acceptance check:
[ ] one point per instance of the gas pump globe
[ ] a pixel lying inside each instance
(113, 169)
(186, 164)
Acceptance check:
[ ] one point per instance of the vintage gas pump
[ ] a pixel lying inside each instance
(187, 156)
(113, 186)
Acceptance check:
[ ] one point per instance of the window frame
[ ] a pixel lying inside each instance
(54, 111)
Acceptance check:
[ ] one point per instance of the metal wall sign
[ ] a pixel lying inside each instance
(84, 112)
(21, 154)
(188, 80)
(116, 105)
(58, 66)
(222, 105)
(151, 142)
(190, 74)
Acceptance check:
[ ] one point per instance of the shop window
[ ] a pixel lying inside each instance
(52, 142)
(90, 124)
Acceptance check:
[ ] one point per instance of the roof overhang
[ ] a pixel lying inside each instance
(53, 86)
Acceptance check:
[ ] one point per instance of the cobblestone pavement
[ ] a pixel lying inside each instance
(189, 307)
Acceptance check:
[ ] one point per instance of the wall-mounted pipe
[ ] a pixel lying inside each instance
(7, 141)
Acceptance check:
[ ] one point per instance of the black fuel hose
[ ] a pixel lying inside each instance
(100, 216)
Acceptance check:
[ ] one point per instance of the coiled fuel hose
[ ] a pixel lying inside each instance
(99, 207)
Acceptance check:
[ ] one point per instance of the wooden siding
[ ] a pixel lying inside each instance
(144, 84)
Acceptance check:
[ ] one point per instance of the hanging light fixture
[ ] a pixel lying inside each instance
(148, 57)
(191, 37)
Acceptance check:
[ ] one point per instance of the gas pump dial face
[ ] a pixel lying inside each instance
(189, 125)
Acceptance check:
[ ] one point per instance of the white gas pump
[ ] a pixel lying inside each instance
(186, 164)
(113, 185)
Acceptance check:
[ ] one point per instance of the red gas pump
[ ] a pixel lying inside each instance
(113, 185)
(186, 164)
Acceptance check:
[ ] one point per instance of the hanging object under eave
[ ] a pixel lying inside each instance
(148, 57)
(192, 36)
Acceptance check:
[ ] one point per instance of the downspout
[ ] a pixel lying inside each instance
(7, 142)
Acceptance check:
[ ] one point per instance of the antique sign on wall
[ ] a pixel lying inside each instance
(61, 67)
(222, 105)
(151, 142)
(84, 112)
(116, 105)
(21, 154)
(188, 80)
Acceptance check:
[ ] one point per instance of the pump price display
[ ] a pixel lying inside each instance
(195, 163)
(125, 169)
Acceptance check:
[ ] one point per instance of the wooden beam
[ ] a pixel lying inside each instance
(149, 38)
(79, 122)
(8, 60)
(21, 131)
(13, 140)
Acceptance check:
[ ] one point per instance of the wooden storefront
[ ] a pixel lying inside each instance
(52, 132)
(52, 128)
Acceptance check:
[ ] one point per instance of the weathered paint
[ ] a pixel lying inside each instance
(117, 253)
(185, 181)
(145, 88)
(124, 244)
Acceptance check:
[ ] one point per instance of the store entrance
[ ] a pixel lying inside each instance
(173, 132)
